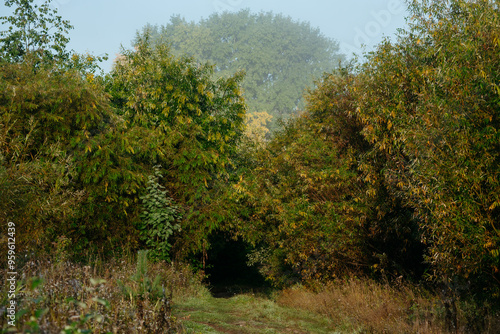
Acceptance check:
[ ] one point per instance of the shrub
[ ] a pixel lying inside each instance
(158, 218)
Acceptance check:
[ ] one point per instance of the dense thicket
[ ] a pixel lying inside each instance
(47, 120)
(195, 122)
(392, 170)
(312, 213)
(394, 166)
(430, 104)
(77, 150)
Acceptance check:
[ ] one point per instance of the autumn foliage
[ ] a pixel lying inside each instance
(391, 171)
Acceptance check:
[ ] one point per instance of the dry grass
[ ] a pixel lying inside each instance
(109, 297)
(368, 307)
(73, 298)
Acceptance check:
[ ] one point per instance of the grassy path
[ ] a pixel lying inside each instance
(247, 313)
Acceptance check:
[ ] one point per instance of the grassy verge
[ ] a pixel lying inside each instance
(248, 313)
(365, 306)
(125, 296)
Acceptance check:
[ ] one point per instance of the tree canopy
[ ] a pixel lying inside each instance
(400, 157)
(77, 149)
(281, 57)
(195, 120)
(392, 170)
(33, 29)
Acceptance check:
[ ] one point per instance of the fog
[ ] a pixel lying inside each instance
(103, 26)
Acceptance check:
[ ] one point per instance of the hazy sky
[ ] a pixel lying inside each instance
(101, 26)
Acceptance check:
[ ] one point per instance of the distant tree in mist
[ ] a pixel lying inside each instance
(281, 57)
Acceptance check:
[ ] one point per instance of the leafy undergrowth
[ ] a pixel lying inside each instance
(119, 296)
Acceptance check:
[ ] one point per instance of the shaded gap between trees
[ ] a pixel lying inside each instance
(227, 269)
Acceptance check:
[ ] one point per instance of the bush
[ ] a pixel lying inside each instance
(158, 218)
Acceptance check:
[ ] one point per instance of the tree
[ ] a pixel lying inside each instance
(308, 205)
(194, 121)
(31, 31)
(281, 57)
(53, 126)
(430, 107)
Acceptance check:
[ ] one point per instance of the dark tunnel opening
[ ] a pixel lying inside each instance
(227, 269)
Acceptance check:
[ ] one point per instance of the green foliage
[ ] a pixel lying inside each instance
(194, 123)
(66, 167)
(394, 157)
(308, 205)
(302, 205)
(430, 107)
(390, 235)
(33, 30)
(41, 115)
(158, 218)
(281, 57)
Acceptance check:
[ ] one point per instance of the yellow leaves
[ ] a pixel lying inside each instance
(494, 205)
(200, 88)
(497, 87)
(90, 78)
(389, 125)
(165, 109)
(483, 74)
(256, 125)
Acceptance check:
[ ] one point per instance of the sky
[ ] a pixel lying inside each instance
(104, 26)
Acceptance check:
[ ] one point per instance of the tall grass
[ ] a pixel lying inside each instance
(63, 297)
(365, 306)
